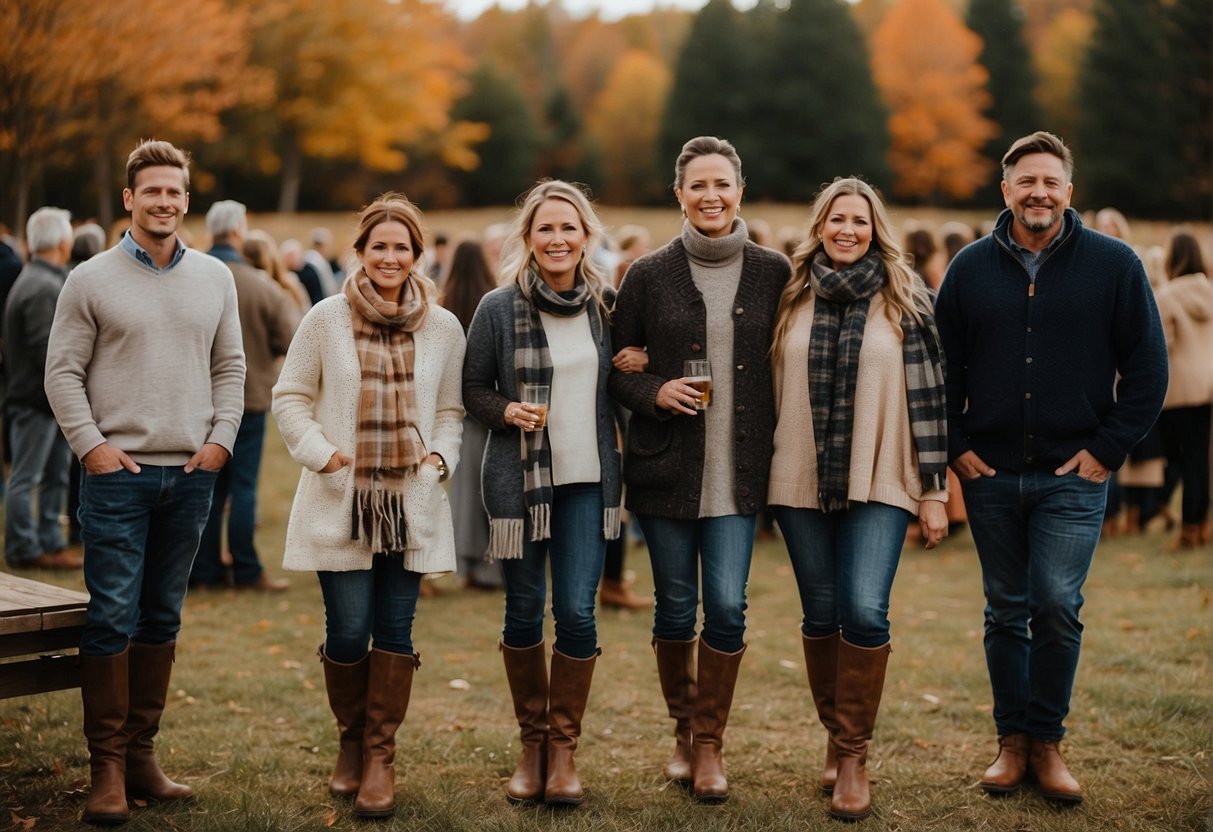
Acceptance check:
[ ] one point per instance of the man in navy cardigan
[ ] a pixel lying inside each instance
(1037, 320)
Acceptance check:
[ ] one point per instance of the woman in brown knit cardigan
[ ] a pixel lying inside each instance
(696, 479)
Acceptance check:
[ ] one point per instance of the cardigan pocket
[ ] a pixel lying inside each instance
(652, 453)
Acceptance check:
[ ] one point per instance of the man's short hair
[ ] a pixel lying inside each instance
(1041, 141)
(153, 153)
(88, 241)
(47, 228)
(224, 217)
(321, 237)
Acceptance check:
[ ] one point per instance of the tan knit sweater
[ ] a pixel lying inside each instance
(884, 465)
(1185, 305)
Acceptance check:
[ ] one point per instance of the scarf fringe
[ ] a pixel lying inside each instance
(541, 521)
(505, 539)
(935, 482)
(379, 517)
(610, 522)
(828, 504)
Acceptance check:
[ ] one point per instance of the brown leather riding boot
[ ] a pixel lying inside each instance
(676, 669)
(1056, 782)
(860, 683)
(151, 666)
(1007, 772)
(615, 593)
(569, 691)
(389, 684)
(821, 662)
(104, 690)
(709, 716)
(346, 686)
(526, 670)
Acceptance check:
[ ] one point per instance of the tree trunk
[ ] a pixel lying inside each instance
(292, 163)
(103, 182)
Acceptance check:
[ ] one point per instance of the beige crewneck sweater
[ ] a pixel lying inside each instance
(884, 465)
(572, 431)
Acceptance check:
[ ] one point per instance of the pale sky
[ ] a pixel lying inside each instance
(610, 9)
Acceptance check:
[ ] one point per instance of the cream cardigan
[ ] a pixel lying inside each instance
(316, 407)
(884, 465)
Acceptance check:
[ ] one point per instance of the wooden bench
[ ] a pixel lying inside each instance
(43, 621)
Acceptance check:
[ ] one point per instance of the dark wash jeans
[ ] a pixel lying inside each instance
(575, 551)
(679, 549)
(140, 534)
(1036, 534)
(378, 603)
(237, 481)
(845, 562)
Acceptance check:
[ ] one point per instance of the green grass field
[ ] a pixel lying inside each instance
(248, 725)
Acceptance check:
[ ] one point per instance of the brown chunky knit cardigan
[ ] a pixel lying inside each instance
(660, 308)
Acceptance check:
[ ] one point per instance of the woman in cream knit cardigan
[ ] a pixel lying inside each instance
(369, 402)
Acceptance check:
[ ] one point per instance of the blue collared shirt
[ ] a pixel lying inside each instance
(1031, 260)
(140, 253)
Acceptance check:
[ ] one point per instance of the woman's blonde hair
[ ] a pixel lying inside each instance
(905, 292)
(517, 258)
(395, 207)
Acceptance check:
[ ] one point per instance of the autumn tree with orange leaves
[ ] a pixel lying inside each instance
(627, 116)
(87, 80)
(924, 61)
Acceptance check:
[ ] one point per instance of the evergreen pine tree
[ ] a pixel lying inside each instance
(1005, 56)
(709, 95)
(1127, 153)
(509, 155)
(1190, 23)
(814, 111)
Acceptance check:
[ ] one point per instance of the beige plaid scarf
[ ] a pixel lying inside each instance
(389, 447)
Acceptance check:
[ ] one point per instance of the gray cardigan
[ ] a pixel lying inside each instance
(660, 308)
(489, 385)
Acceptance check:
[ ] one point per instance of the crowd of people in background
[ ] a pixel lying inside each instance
(824, 350)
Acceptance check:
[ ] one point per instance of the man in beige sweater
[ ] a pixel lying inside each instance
(145, 374)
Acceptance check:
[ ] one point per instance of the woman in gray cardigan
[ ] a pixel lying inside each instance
(697, 478)
(551, 480)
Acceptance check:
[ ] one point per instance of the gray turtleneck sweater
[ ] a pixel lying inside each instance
(716, 271)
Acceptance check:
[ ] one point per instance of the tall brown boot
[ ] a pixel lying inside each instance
(616, 593)
(821, 662)
(151, 666)
(1132, 520)
(861, 672)
(709, 716)
(346, 686)
(676, 669)
(526, 670)
(104, 689)
(570, 689)
(389, 684)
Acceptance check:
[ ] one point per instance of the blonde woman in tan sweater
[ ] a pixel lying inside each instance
(860, 451)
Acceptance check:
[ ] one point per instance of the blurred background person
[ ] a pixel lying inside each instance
(467, 280)
(320, 259)
(41, 456)
(438, 259)
(293, 259)
(955, 236)
(925, 256)
(261, 252)
(1185, 304)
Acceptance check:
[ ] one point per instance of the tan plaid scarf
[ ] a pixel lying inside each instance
(389, 447)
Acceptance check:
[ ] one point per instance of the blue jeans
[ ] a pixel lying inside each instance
(576, 551)
(723, 545)
(1036, 534)
(378, 603)
(844, 563)
(42, 461)
(237, 481)
(140, 534)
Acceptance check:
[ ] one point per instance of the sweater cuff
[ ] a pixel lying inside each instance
(1108, 454)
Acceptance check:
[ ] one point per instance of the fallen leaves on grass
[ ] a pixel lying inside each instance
(23, 823)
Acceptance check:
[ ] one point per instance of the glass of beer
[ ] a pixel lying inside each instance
(698, 373)
(539, 395)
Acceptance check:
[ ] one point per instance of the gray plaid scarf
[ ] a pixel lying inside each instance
(388, 445)
(840, 313)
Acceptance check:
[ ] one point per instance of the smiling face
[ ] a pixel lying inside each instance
(710, 194)
(1037, 190)
(387, 258)
(157, 203)
(846, 233)
(557, 239)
